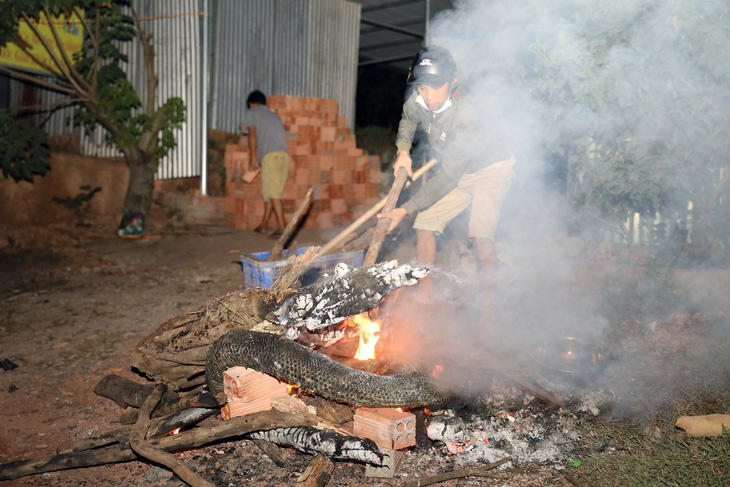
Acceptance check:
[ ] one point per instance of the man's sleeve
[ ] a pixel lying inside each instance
(444, 178)
(248, 121)
(406, 128)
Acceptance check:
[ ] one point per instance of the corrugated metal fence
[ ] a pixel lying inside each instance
(285, 47)
(303, 48)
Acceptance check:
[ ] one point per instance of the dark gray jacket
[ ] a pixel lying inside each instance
(452, 135)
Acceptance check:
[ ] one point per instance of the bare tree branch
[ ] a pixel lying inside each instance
(31, 79)
(149, 60)
(24, 47)
(72, 73)
(43, 106)
(64, 71)
(87, 26)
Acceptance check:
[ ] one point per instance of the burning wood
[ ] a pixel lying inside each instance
(369, 331)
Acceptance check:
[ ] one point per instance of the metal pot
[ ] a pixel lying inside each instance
(570, 360)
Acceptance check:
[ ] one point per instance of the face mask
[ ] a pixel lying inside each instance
(445, 106)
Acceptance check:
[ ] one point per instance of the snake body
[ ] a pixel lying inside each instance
(311, 371)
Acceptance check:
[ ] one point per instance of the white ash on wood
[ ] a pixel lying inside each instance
(332, 445)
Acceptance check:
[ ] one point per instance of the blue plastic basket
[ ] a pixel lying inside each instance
(258, 272)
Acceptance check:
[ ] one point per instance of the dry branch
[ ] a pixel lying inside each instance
(144, 449)
(457, 474)
(233, 428)
(275, 453)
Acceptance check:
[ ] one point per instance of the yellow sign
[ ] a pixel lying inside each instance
(70, 34)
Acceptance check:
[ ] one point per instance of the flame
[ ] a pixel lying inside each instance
(369, 335)
(175, 431)
(437, 369)
(290, 389)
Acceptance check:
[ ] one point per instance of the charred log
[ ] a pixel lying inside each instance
(145, 449)
(233, 428)
(126, 392)
(347, 292)
(328, 443)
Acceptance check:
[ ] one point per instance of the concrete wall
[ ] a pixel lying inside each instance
(176, 202)
(25, 203)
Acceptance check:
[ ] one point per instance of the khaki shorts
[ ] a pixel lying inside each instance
(274, 173)
(484, 190)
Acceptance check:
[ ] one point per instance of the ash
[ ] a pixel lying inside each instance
(511, 423)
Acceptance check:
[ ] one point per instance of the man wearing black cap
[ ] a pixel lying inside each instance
(470, 173)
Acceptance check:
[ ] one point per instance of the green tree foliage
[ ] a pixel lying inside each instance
(25, 149)
(96, 85)
(638, 103)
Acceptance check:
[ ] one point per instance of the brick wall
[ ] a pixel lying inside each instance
(323, 154)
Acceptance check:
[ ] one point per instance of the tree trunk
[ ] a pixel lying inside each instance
(141, 181)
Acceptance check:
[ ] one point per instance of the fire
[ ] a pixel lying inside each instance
(437, 369)
(369, 335)
(291, 389)
(175, 431)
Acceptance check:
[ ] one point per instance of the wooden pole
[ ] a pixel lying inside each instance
(381, 228)
(332, 244)
(277, 251)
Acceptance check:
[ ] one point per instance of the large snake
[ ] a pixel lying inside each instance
(311, 371)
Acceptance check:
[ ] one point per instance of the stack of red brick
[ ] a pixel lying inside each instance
(323, 154)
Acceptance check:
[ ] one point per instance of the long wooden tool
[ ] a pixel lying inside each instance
(332, 244)
(381, 228)
(277, 251)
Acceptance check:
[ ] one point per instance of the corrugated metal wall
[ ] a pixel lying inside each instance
(175, 29)
(303, 48)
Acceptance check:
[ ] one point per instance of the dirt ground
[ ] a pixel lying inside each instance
(72, 316)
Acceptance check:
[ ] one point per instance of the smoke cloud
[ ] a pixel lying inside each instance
(619, 51)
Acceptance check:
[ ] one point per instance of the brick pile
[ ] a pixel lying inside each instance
(323, 154)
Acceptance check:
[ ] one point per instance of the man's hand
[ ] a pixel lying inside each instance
(403, 159)
(396, 216)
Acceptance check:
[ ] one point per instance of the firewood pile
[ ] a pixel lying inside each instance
(177, 412)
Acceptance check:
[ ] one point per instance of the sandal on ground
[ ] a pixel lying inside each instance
(260, 230)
